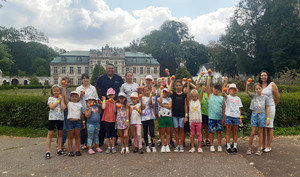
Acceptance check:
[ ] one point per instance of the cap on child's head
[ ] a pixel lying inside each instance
(122, 94)
(166, 90)
(232, 86)
(90, 97)
(110, 91)
(149, 77)
(134, 95)
(74, 92)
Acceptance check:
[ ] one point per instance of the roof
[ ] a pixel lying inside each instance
(77, 53)
(139, 58)
(71, 59)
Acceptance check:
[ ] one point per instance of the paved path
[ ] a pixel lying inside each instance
(25, 157)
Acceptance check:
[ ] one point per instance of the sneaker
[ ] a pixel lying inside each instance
(172, 143)
(163, 149)
(168, 149)
(234, 150)
(229, 151)
(123, 150)
(148, 149)
(212, 149)
(129, 142)
(266, 150)
(141, 151)
(47, 155)
(183, 144)
(192, 150)
(219, 148)
(127, 150)
(202, 143)
(78, 153)
(181, 149)
(113, 150)
(91, 151)
(177, 149)
(99, 150)
(136, 150)
(249, 152)
(259, 153)
(153, 149)
(200, 150)
(108, 150)
(71, 154)
(159, 143)
(83, 147)
(60, 152)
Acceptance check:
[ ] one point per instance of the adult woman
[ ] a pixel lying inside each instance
(85, 90)
(269, 89)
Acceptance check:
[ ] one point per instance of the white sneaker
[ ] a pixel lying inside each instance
(177, 149)
(148, 149)
(212, 149)
(181, 149)
(168, 148)
(123, 150)
(153, 149)
(127, 150)
(219, 148)
(163, 149)
(200, 150)
(192, 150)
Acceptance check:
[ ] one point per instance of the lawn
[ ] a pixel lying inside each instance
(34, 92)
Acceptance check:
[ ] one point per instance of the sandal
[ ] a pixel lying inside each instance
(249, 152)
(207, 143)
(259, 153)
(202, 143)
(71, 154)
(78, 153)
(83, 147)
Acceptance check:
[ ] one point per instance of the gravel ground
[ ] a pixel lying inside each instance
(25, 157)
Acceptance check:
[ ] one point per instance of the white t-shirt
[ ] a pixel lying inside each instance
(57, 113)
(195, 114)
(135, 117)
(90, 91)
(165, 112)
(233, 105)
(128, 89)
(74, 110)
(148, 112)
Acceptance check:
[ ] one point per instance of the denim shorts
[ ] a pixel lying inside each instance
(232, 120)
(214, 125)
(178, 122)
(71, 125)
(258, 119)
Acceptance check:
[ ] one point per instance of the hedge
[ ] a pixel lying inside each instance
(288, 88)
(7, 87)
(32, 111)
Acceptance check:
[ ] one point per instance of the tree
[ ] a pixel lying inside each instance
(182, 72)
(34, 81)
(98, 71)
(26, 34)
(5, 60)
(40, 67)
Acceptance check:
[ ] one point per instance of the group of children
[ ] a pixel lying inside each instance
(172, 108)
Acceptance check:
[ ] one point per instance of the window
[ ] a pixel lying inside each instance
(98, 62)
(141, 70)
(134, 79)
(71, 70)
(55, 81)
(72, 81)
(155, 70)
(148, 70)
(79, 81)
(115, 62)
(123, 62)
(79, 70)
(123, 68)
(155, 79)
(91, 62)
(116, 70)
(86, 70)
(107, 62)
(55, 70)
(134, 70)
(63, 70)
(127, 69)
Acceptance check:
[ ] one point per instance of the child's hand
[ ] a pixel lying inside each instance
(241, 121)
(127, 124)
(225, 79)
(83, 126)
(268, 122)
(223, 122)
(185, 120)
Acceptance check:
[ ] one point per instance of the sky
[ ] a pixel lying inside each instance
(91, 24)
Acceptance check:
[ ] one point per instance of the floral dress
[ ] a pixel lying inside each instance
(121, 118)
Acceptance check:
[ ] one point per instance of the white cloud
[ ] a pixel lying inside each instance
(86, 24)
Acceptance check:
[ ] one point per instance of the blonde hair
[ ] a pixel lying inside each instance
(194, 91)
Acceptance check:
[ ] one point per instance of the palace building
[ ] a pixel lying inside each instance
(75, 63)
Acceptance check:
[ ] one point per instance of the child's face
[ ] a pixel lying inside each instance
(148, 81)
(134, 100)
(160, 82)
(111, 96)
(216, 91)
(74, 98)
(146, 91)
(194, 96)
(68, 83)
(165, 94)
(232, 91)
(91, 101)
(122, 99)
(178, 86)
(129, 77)
(56, 91)
(258, 90)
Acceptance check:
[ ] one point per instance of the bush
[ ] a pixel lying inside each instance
(288, 88)
(7, 87)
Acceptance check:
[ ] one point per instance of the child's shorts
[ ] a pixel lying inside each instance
(58, 123)
(111, 132)
(232, 120)
(204, 119)
(178, 122)
(165, 122)
(214, 125)
(258, 119)
(74, 124)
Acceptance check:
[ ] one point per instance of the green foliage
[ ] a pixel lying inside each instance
(8, 87)
(182, 72)
(28, 34)
(288, 89)
(34, 81)
(40, 67)
(98, 71)
(46, 83)
(24, 132)
(5, 59)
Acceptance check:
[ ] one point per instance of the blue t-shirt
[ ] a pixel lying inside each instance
(95, 117)
(104, 83)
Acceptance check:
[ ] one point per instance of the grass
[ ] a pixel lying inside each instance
(23, 132)
(33, 92)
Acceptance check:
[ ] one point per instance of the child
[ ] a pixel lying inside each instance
(74, 121)
(148, 117)
(92, 113)
(195, 117)
(160, 84)
(215, 113)
(165, 119)
(232, 117)
(259, 106)
(179, 111)
(109, 118)
(122, 121)
(135, 121)
(56, 118)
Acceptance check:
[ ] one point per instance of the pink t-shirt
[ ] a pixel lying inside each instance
(109, 115)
